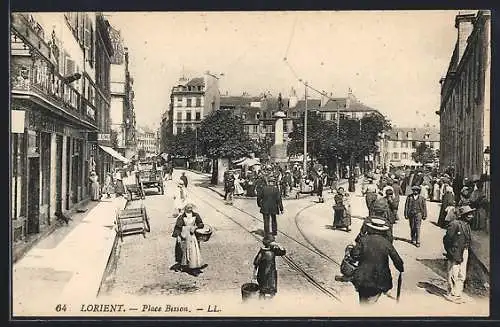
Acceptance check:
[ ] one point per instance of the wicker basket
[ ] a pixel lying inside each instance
(204, 234)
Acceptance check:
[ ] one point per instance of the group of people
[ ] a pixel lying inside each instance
(113, 184)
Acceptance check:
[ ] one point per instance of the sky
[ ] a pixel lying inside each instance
(391, 60)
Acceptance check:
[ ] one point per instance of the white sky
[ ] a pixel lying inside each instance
(392, 60)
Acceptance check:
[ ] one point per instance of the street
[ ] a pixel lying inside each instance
(140, 267)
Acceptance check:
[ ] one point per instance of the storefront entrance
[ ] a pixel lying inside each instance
(59, 181)
(33, 225)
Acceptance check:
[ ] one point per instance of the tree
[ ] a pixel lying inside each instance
(424, 154)
(262, 147)
(221, 135)
(317, 131)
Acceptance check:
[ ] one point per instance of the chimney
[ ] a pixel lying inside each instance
(464, 23)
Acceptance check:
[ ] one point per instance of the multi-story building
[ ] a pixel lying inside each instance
(123, 121)
(191, 100)
(57, 100)
(146, 140)
(465, 99)
(258, 112)
(401, 143)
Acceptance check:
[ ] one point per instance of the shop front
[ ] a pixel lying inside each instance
(47, 168)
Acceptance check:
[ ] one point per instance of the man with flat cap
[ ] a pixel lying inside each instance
(415, 212)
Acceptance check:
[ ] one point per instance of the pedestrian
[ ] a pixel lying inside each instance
(228, 187)
(238, 189)
(372, 250)
(187, 247)
(341, 210)
(184, 179)
(108, 185)
(479, 202)
(397, 193)
(447, 200)
(415, 212)
(270, 204)
(436, 189)
(379, 211)
(95, 190)
(119, 187)
(370, 192)
(265, 271)
(457, 242)
(319, 188)
(180, 197)
(352, 183)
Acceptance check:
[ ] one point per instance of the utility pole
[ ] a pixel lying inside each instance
(305, 129)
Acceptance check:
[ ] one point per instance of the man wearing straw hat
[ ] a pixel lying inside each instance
(457, 243)
(415, 212)
(372, 250)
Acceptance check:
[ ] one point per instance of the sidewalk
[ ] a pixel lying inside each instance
(66, 267)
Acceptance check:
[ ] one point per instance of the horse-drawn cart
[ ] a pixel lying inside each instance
(132, 221)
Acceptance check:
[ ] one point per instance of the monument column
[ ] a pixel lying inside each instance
(278, 150)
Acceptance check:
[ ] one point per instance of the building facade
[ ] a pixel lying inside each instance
(401, 143)
(147, 140)
(56, 107)
(465, 99)
(122, 112)
(191, 100)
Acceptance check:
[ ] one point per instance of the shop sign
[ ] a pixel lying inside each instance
(17, 121)
(104, 137)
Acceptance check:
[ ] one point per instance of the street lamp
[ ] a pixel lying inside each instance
(305, 128)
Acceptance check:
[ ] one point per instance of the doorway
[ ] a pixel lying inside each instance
(33, 195)
(59, 156)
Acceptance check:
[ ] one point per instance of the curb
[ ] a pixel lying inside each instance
(111, 251)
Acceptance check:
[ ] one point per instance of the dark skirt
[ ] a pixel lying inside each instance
(341, 218)
(119, 188)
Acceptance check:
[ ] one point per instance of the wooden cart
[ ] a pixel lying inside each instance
(134, 187)
(132, 221)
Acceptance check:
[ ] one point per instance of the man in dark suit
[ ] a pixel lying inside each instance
(372, 250)
(270, 204)
(415, 212)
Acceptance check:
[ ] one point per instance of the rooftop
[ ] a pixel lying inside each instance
(417, 133)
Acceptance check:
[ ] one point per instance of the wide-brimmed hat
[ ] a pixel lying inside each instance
(464, 210)
(416, 188)
(377, 224)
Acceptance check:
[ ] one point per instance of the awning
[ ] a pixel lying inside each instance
(115, 154)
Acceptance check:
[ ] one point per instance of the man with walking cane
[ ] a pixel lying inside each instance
(372, 276)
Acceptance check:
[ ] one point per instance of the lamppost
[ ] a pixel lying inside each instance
(305, 129)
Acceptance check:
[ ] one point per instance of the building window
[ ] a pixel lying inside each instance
(179, 116)
(244, 117)
(198, 116)
(198, 102)
(426, 136)
(188, 103)
(395, 156)
(414, 144)
(188, 116)
(431, 145)
(257, 115)
(399, 135)
(395, 143)
(408, 135)
(404, 155)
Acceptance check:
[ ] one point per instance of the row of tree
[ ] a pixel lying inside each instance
(222, 135)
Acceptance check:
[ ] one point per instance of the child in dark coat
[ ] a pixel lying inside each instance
(265, 267)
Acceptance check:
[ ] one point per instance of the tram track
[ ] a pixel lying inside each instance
(293, 264)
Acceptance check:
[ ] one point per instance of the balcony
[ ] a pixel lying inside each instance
(39, 82)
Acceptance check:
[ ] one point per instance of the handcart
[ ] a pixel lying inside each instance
(306, 187)
(132, 221)
(134, 187)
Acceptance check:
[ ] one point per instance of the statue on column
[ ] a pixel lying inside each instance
(278, 150)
